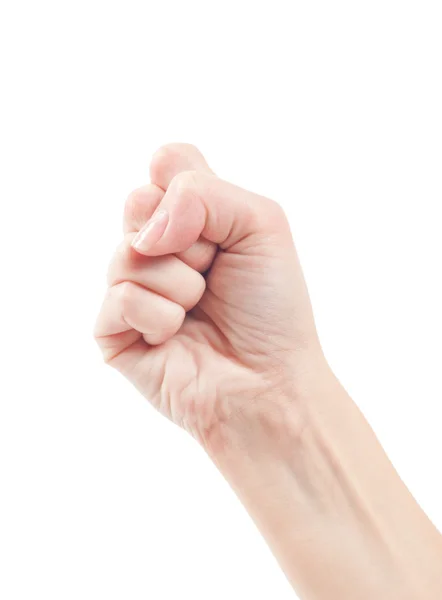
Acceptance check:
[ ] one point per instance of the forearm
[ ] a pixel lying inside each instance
(215, 354)
(325, 496)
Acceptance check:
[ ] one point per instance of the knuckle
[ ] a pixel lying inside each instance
(196, 291)
(161, 160)
(120, 261)
(199, 256)
(176, 318)
(133, 204)
(140, 205)
(185, 187)
(172, 322)
(169, 154)
(271, 214)
(200, 288)
(206, 258)
(274, 208)
(126, 292)
(165, 157)
(185, 182)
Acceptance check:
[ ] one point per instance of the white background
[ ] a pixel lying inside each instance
(332, 108)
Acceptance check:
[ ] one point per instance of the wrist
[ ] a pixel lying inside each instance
(312, 475)
(272, 418)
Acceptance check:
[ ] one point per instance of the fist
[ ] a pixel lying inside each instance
(206, 312)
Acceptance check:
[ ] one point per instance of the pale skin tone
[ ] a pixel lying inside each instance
(208, 315)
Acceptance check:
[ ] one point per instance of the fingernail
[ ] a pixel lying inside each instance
(152, 231)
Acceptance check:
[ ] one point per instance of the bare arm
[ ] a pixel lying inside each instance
(325, 496)
(208, 315)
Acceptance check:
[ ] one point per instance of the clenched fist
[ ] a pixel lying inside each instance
(207, 313)
(207, 310)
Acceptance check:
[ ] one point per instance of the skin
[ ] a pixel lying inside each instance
(233, 357)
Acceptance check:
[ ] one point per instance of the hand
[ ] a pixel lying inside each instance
(203, 348)
(228, 355)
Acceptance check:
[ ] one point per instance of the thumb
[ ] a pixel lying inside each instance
(199, 204)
